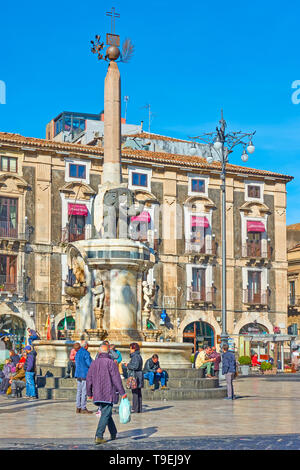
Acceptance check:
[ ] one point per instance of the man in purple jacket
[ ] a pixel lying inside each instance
(104, 385)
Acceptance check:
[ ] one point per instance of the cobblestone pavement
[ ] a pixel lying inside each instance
(265, 416)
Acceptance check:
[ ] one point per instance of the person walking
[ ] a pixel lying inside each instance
(29, 367)
(104, 386)
(83, 361)
(229, 370)
(135, 369)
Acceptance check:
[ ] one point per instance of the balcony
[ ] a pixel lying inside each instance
(256, 251)
(19, 232)
(74, 234)
(293, 301)
(258, 298)
(11, 285)
(200, 249)
(200, 296)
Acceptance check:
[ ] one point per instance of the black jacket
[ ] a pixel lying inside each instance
(135, 368)
(151, 366)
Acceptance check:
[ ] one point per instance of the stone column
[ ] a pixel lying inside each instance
(112, 125)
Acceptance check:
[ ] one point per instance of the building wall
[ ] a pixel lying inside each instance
(43, 255)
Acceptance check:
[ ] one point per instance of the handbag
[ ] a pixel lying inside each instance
(131, 383)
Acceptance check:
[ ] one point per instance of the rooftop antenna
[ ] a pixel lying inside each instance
(150, 115)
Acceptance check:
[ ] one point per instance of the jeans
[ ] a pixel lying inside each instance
(81, 397)
(106, 420)
(31, 390)
(151, 376)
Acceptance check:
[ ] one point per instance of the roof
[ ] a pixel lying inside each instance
(141, 156)
(293, 227)
(150, 136)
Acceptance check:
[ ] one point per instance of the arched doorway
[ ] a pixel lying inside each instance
(12, 332)
(248, 345)
(200, 333)
(61, 327)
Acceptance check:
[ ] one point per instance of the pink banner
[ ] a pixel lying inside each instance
(77, 209)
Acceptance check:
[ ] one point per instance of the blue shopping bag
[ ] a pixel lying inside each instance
(124, 411)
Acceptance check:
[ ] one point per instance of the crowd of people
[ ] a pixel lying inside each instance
(101, 379)
(18, 373)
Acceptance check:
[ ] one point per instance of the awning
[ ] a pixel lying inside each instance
(77, 209)
(144, 216)
(198, 221)
(255, 226)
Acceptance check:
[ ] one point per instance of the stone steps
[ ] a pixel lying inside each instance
(183, 384)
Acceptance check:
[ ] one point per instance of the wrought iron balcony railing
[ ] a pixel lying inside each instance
(20, 231)
(201, 295)
(256, 250)
(192, 247)
(11, 284)
(73, 234)
(252, 297)
(293, 300)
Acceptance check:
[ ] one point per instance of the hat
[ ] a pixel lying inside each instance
(27, 348)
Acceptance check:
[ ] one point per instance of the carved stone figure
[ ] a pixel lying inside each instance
(78, 270)
(118, 207)
(99, 294)
(148, 293)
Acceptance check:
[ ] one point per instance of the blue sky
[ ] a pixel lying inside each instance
(190, 61)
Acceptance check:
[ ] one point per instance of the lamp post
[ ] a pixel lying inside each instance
(221, 144)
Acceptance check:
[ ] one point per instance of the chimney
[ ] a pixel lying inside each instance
(142, 123)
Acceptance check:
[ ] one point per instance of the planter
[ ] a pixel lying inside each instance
(245, 369)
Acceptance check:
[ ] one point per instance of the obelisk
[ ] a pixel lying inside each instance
(112, 123)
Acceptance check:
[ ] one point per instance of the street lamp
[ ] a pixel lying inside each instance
(222, 144)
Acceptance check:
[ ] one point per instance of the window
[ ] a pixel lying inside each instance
(77, 171)
(9, 164)
(139, 179)
(254, 191)
(197, 186)
(8, 272)
(8, 217)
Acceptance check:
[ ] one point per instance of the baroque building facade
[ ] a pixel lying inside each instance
(47, 190)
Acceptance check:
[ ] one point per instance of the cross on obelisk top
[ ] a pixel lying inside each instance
(113, 15)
